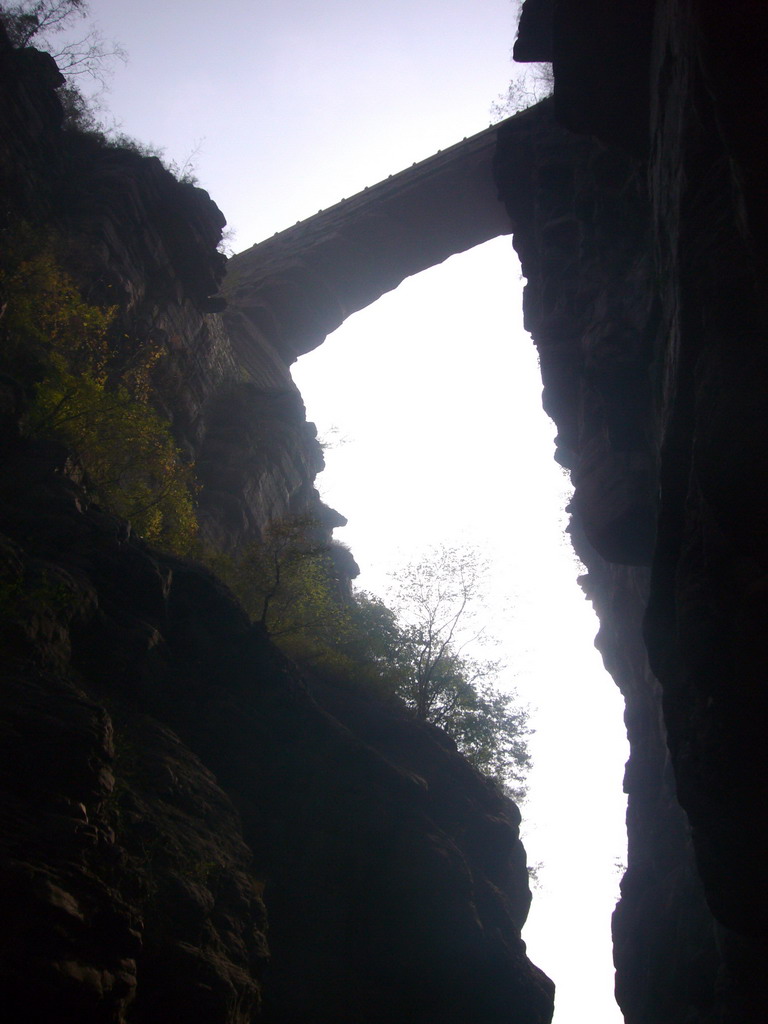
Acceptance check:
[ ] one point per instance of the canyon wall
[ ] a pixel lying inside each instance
(583, 237)
(192, 829)
(645, 261)
(635, 197)
(134, 236)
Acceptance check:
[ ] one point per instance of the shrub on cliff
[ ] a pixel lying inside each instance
(437, 600)
(91, 388)
(531, 83)
(85, 57)
(415, 654)
(288, 582)
(41, 23)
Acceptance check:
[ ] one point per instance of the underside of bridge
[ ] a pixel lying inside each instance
(298, 286)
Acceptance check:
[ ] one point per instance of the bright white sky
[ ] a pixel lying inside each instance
(291, 105)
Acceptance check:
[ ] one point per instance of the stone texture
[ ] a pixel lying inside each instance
(134, 236)
(705, 626)
(648, 311)
(168, 784)
(189, 831)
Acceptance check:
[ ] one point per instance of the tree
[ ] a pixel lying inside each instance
(414, 653)
(288, 582)
(43, 21)
(39, 18)
(531, 83)
(436, 600)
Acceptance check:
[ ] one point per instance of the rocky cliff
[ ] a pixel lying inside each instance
(188, 832)
(137, 237)
(643, 247)
(636, 204)
(191, 829)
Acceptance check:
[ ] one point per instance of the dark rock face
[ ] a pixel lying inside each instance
(646, 299)
(583, 239)
(169, 785)
(190, 830)
(571, 201)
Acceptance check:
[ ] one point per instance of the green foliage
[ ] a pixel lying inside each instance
(126, 448)
(366, 652)
(436, 600)
(288, 582)
(42, 311)
(92, 391)
(434, 597)
(491, 731)
(414, 654)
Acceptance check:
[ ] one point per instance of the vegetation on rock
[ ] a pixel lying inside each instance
(41, 22)
(88, 57)
(413, 652)
(90, 386)
(436, 598)
(89, 383)
(531, 83)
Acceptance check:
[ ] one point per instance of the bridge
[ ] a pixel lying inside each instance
(294, 288)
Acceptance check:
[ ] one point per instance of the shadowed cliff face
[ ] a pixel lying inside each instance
(636, 198)
(190, 829)
(134, 236)
(189, 834)
(646, 300)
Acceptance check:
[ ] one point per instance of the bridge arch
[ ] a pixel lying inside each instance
(297, 287)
